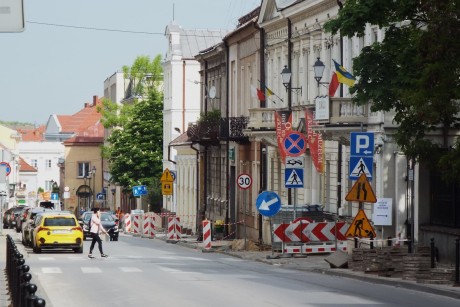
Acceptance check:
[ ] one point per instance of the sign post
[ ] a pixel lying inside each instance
(295, 145)
(244, 182)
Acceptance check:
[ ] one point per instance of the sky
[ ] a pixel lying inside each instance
(62, 57)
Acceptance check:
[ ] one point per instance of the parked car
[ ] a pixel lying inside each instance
(27, 224)
(9, 220)
(108, 221)
(20, 218)
(6, 214)
(57, 230)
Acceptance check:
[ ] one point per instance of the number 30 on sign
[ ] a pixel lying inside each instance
(244, 181)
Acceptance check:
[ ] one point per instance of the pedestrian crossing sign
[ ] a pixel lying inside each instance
(361, 227)
(293, 178)
(360, 165)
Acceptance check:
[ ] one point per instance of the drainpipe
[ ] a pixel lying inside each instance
(183, 95)
(227, 141)
(198, 217)
(263, 148)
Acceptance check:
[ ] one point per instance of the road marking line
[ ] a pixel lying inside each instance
(51, 270)
(91, 270)
(130, 270)
(46, 258)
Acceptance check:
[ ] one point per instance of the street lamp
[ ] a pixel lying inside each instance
(93, 172)
(318, 70)
(286, 76)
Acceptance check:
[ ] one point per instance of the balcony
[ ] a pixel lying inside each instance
(261, 119)
(232, 129)
(214, 131)
(343, 111)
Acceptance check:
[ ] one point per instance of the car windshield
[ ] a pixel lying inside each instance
(106, 217)
(59, 221)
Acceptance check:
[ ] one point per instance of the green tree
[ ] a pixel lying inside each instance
(135, 144)
(414, 71)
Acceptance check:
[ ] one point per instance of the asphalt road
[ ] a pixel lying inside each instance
(150, 272)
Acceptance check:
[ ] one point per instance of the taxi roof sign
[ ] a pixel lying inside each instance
(361, 227)
(361, 191)
(166, 177)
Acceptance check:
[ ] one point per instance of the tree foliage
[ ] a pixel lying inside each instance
(135, 144)
(414, 71)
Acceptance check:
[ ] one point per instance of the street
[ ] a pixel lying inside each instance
(143, 271)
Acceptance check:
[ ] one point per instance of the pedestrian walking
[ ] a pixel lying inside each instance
(95, 230)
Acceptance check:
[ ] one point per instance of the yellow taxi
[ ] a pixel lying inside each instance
(57, 230)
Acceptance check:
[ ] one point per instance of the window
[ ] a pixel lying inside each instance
(83, 169)
(48, 163)
(34, 163)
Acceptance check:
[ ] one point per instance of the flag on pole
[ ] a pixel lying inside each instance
(260, 94)
(343, 75)
(333, 85)
(269, 91)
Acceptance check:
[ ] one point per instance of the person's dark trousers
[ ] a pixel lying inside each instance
(97, 239)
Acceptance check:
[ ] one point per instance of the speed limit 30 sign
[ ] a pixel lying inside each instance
(244, 181)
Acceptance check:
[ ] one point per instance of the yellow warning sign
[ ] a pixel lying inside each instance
(361, 227)
(166, 188)
(361, 191)
(166, 177)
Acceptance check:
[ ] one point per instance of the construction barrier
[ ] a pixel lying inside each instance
(136, 224)
(148, 226)
(207, 234)
(127, 223)
(174, 228)
(315, 249)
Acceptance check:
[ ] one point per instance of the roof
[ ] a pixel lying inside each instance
(85, 122)
(26, 167)
(192, 41)
(181, 140)
(32, 134)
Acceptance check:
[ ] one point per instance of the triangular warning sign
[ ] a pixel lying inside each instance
(361, 227)
(360, 168)
(294, 178)
(166, 177)
(361, 191)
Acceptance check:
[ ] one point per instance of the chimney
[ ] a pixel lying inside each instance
(86, 105)
(95, 100)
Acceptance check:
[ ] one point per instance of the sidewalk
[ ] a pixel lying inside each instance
(316, 263)
(5, 300)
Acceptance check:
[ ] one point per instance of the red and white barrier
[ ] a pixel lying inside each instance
(207, 234)
(315, 249)
(127, 223)
(148, 226)
(309, 232)
(174, 228)
(136, 224)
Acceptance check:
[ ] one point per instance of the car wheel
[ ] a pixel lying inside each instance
(78, 250)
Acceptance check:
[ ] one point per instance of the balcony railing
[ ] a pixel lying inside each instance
(261, 119)
(223, 129)
(343, 111)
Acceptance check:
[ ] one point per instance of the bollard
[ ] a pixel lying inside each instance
(356, 242)
(26, 281)
(432, 248)
(31, 289)
(457, 261)
(16, 282)
(39, 302)
(389, 241)
(371, 236)
(24, 278)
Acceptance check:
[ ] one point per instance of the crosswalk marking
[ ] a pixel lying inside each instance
(91, 270)
(51, 270)
(130, 269)
(46, 259)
